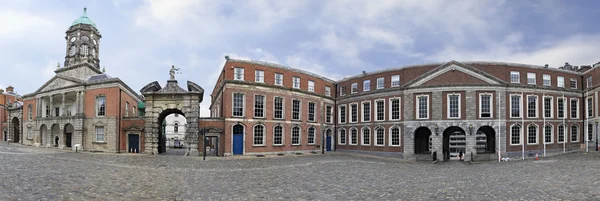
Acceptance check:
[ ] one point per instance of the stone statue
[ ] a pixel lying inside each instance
(172, 72)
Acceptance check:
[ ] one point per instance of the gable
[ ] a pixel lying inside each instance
(453, 78)
(454, 74)
(56, 83)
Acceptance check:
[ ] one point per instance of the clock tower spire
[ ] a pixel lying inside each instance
(83, 44)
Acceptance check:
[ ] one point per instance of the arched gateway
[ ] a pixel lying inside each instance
(172, 99)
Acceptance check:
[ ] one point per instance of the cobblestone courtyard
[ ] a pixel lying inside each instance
(44, 174)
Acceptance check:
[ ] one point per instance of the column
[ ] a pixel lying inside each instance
(62, 109)
(82, 102)
(51, 106)
(76, 104)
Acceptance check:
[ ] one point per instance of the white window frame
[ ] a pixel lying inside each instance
(546, 80)
(560, 81)
(362, 111)
(98, 107)
(380, 83)
(314, 135)
(589, 82)
(296, 82)
(330, 113)
(395, 81)
(264, 102)
(520, 134)
(448, 105)
(391, 117)
(375, 138)
(520, 106)
(573, 80)
(340, 113)
(299, 135)
(233, 103)
(237, 72)
(350, 138)
(571, 108)
(328, 91)
(367, 85)
(589, 107)
(564, 127)
(103, 133)
(518, 77)
(354, 88)
(314, 112)
(531, 78)
(376, 111)
(279, 81)
(259, 76)
(311, 86)
(537, 134)
(362, 136)
(282, 107)
(551, 106)
(417, 109)
(357, 113)
(565, 109)
(571, 133)
(340, 136)
(299, 110)
(399, 137)
(264, 133)
(537, 98)
(551, 134)
(491, 105)
(342, 90)
(282, 135)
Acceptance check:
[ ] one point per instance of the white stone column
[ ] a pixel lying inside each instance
(76, 104)
(62, 109)
(82, 102)
(51, 106)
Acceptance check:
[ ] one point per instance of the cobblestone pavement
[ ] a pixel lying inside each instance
(28, 173)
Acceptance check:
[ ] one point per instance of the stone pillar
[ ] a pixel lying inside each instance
(51, 106)
(409, 143)
(62, 109)
(76, 104)
(437, 143)
(82, 102)
(470, 148)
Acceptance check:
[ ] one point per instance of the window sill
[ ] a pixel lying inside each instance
(278, 145)
(259, 145)
(313, 144)
(296, 145)
(263, 118)
(296, 120)
(99, 143)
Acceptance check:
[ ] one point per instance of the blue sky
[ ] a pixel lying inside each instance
(142, 39)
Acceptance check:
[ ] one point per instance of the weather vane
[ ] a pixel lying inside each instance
(173, 71)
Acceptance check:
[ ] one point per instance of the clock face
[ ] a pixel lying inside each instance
(73, 38)
(85, 38)
(73, 51)
(94, 42)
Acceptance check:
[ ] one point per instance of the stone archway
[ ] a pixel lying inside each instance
(68, 135)
(454, 143)
(16, 128)
(161, 102)
(486, 140)
(55, 135)
(422, 136)
(43, 139)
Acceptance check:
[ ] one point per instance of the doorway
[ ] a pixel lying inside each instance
(328, 140)
(16, 129)
(68, 135)
(422, 135)
(134, 143)
(454, 143)
(171, 132)
(238, 139)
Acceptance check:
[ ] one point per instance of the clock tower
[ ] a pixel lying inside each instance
(83, 45)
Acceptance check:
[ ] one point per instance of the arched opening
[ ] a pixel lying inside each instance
(55, 131)
(16, 128)
(68, 135)
(328, 140)
(486, 140)
(5, 134)
(167, 138)
(43, 139)
(238, 139)
(454, 143)
(422, 142)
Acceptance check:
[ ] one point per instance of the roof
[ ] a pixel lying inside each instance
(84, 19)
(97, 77)
(269, 64)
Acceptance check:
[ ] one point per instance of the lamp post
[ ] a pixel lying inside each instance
(470, 129)
(436, 129)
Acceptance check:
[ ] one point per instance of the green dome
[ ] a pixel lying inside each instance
(84, 20)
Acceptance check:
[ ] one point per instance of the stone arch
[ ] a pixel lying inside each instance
(68, 135)
(43, 139)
(422, 135)
(489, 146)
(454, 142)
(16, 128)
(162, 138)
(55, 135)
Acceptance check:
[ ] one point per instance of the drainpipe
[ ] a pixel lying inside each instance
(565, 130)
(334, 118)
(499, 127)
(584, 122)
(523, 125)
(119, 124)
(544, 124)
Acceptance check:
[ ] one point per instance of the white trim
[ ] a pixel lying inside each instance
(257, 75)
(243, 138)
(376, 138)
(382, 84)
(587, 113)
(448, 105)
(330, 114)
(570, 108)
(350, 113)
(264, 137)
(340, 136)
(299, 135)
(275, 79)
(235, 74)
(282, 135)
(491, 105)
(294, 82)
(537, 132)
(418, 105)
(391, 117)
(536, 106)
(392, 81)
(558, 81)
(453, 67)
(328, 91)
(572, 79)
(564, 133)
(551, 106)
(314, 135)
(365, 85)
(551, 134)
(549, 79)
(243, 104)
(282, 107)
(340, 113)
(311, 86)
(362, 111)
(520, 106)
(399, 137)
(515, 73)
(571, 133)
(362, 135)
(308, 111)
(350, 138)
(520, 134)
(264, 112)
(565, 109)
(299, 110)
(376, 110)
(534, 78)
(354, 88)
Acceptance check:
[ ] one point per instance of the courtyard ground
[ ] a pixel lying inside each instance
(28, 173)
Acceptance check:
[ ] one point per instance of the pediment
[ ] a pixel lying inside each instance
(58, 82)
(455, 73)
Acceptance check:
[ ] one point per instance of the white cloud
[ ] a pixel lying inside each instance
(17, 24)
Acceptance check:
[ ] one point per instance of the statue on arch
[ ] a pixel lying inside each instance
(172, 72)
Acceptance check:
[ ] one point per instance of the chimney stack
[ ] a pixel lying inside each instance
(546, 66)
(9, 89)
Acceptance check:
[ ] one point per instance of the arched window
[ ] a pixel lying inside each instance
(29, 112)
(574, 133)
(342, 133)
(395, 136)
(259, 135)
(278, 135)
(561, 134)
(353, 136)
(311, 135)
(548, 138)
(296, 135)
(366, 133)
(532, 134)
(84, 50)
(175, 127)
(379, 136)
(515, 135)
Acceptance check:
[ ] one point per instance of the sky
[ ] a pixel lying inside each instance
(141, 39)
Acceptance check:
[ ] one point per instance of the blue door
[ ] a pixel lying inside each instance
(328, 145)
(134, 143)
(238, 144)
